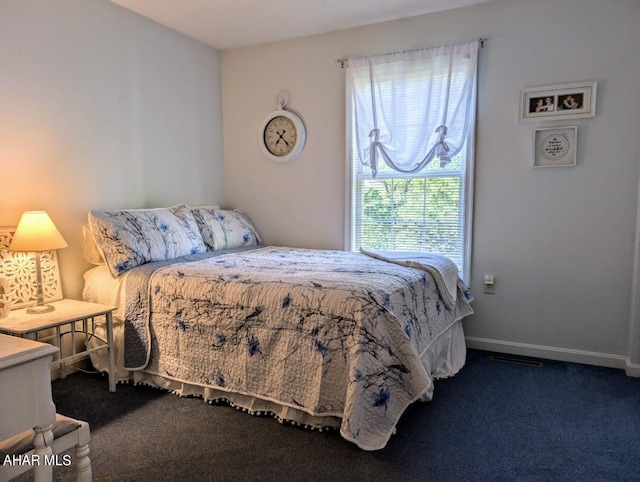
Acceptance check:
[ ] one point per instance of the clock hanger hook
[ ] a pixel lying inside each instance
(282, 99)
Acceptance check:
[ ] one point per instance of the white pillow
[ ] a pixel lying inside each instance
(129, 238)
(183, 212)
(225, 229)
(89, 247)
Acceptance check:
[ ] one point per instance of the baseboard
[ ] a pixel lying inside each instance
(632, 369)
(553, 353)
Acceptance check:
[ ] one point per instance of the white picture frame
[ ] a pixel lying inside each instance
(561, 101)
(555, 146)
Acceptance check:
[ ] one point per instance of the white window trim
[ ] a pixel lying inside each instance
(348, 230)
(469, 181)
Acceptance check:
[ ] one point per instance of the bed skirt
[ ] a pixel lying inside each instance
(444, 358)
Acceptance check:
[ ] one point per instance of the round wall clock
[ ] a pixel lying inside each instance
(282, 134)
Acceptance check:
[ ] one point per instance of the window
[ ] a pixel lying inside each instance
(399, 199)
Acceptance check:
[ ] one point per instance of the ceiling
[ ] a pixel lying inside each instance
(227, 24)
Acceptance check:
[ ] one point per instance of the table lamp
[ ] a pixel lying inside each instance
(36, 233)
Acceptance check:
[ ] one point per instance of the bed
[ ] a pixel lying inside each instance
(319, 338)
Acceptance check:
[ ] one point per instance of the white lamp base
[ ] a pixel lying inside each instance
(40, 306)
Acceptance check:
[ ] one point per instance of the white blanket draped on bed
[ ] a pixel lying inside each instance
(443, 270)
(329, 333)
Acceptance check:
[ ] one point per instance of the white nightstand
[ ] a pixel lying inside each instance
(25, 398)
(67, 312)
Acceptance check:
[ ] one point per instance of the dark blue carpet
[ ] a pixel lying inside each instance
(494, 421)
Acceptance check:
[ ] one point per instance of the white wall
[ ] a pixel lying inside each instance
(559, 241)
(101, 108)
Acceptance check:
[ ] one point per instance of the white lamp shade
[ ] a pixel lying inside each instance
(36, 232)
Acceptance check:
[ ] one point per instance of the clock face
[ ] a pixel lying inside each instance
(280, 136)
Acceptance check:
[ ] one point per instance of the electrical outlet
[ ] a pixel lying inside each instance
(489, 284)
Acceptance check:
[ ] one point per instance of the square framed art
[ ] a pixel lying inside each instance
(555, 146)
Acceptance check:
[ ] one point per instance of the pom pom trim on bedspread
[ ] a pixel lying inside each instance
(255, 413)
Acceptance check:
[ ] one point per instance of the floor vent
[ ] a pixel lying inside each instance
(516, 360)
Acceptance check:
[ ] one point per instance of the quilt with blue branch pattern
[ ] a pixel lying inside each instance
(330, 333)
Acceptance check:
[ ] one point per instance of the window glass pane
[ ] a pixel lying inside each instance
(411, 213)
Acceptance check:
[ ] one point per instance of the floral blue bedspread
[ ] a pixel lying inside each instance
(330, 333)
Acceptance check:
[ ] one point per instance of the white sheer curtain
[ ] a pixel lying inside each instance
(412, 107)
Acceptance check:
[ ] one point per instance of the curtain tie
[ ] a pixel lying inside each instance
(374, 135)
(442, 148)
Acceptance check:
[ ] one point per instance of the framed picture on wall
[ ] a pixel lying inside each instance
(555, 147)
(561, 101)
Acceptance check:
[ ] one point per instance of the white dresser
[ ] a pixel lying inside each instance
(25, 395)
